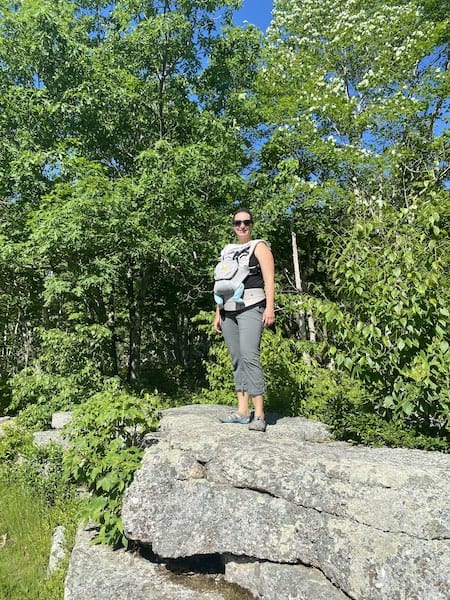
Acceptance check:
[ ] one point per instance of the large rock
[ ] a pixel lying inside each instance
(57, 549)
(97, 572)
(371, 523)
(55, 436)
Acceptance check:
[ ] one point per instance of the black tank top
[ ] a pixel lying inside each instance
(255, 279)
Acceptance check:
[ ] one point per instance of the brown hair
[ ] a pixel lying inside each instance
(239, 210)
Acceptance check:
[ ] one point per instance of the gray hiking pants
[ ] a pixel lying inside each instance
(242, 334)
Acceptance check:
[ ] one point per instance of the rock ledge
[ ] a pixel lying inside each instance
(293, 514)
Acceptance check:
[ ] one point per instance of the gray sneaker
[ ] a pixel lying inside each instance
(235, 418)
(258, 424)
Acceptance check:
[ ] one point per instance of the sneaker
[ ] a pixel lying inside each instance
(236, 418)
(258, 424)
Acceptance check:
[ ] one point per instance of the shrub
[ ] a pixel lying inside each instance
(32, 466)
(299, 387)
(106, 435)
(389, 325)
(14, 441)
(70, 369)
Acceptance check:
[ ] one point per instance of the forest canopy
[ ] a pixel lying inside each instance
(130, 131)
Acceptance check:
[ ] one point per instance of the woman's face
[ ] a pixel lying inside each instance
(242, 225)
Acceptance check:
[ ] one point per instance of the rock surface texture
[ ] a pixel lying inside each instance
(98, 573)
(294, 515)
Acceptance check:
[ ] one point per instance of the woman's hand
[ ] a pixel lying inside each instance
(268, 317)
(217, 322)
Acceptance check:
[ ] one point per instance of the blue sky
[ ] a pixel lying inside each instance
(257, 12)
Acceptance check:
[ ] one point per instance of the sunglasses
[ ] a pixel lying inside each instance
(246, 222)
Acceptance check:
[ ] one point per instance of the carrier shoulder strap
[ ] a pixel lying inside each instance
(234, 251)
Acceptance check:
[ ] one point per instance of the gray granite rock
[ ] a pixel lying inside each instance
(375, 522)
(274, 581)
(57, 549)
(60, 419)
(42, 438)
(198, 428)
(397, 490)
(97, 572)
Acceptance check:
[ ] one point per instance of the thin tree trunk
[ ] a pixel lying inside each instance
(136, 291)
(311, 327)
(300, 317)
(111, 322)
(297, 277)
(27, 343)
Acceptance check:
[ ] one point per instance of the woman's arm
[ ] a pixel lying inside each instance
(265, 258)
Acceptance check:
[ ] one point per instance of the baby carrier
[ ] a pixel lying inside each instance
(231, 272)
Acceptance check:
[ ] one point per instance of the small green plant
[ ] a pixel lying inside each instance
(106, 436)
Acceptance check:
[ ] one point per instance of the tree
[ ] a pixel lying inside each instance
(356, 103)
(115, 168)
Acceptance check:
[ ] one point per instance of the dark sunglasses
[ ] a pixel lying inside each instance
(246, 222)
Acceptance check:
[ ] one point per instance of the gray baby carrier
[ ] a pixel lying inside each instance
(231, 272)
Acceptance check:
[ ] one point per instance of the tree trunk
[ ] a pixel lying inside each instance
(300, 316)
(111, 324)
(303, 319)
(136, 292)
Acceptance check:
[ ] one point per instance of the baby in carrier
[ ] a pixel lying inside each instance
(231, 272)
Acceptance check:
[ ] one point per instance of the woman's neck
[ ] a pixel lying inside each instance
(244, 240)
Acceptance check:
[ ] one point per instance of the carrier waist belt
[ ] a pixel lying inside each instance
(251, 296)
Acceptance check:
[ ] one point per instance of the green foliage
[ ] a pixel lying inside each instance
(355, 164)
(366, 427)
(111, 166)
(125, 134)
(13, 442)
(38, 417)
(5, 396)
(33, 466)
(106, 438)
(390, 324)
(289, 379)
(217, 365)
(35, 498)
(300, 383)
(296, 383)
(26, 526)
(23, 518)
(68, 371)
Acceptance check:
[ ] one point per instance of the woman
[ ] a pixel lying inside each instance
(242, 328)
